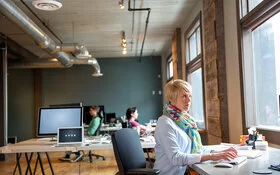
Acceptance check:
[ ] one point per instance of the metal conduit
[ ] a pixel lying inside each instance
(146, 26)
(10, 10)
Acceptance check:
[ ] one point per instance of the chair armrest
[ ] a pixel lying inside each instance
(143, 171)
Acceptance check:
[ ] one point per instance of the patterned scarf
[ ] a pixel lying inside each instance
(187, 123)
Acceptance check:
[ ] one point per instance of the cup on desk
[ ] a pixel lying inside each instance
(125, 124)
(243, 139)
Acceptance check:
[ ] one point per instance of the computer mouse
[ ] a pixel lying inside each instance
(223, 165)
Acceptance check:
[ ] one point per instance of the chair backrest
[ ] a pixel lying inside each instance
(128, 150)
(97, 132)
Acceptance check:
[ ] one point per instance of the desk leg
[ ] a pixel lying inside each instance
(36, 165)
(50, 163)
(41, 163)
(28, 163)
(18, 155)
(147, 151)
(90, 156)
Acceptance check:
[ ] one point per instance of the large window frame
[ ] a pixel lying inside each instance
(195, 63)
(169, 67)
(249, 21)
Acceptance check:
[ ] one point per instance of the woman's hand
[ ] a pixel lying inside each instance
(231, 149)
(227, 154)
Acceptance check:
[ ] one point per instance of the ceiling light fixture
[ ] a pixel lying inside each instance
(123, 43)
(47, 5)
(121, 4)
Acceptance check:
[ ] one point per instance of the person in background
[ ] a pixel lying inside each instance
(132, 117)
(95, 122)
(178, 143)
(93, 126)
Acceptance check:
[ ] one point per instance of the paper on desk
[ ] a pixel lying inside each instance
(250, 154)
(147, 139)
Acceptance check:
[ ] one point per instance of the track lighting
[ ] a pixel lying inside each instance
(123, 43)
(121, 4)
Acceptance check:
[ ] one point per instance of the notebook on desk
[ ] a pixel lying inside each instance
(70, 136)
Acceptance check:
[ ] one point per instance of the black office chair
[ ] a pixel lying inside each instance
(97, 133)
(129, 153)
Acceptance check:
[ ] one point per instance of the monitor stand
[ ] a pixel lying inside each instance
(53, 139)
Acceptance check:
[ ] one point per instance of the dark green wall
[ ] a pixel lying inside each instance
(126, 83)
(20, 103)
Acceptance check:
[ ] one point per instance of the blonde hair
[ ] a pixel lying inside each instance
(95, 107)
(173, 87)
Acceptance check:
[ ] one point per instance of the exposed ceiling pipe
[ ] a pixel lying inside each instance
(146, 26)
(10, 10)
(80, 51)
(53, 63)
(90, 61)
(44, 24)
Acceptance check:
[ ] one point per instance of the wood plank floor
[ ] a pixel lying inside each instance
(98, 167)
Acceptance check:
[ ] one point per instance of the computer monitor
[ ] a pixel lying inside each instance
(56, 117)
(110, 118)
(67, 104)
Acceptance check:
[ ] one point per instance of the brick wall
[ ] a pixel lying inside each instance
(215, 72)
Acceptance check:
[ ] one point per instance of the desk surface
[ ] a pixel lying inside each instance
(39, 145)
(268, 157)
(108, 128)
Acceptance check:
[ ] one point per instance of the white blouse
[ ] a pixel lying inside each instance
(173, 148)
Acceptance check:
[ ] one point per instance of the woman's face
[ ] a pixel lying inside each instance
(92, 112)
(135, 114)
(183, 101)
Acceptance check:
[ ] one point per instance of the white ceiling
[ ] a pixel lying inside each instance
(98, 25)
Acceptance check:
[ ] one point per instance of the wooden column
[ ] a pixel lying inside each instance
(215, 72)
(177, 54)
(3, 95)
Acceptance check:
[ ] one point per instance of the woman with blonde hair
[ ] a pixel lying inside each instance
(178, 143)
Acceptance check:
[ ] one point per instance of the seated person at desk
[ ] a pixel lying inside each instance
(95, 122)
(132, 116)
(93, 125)
(178, 143)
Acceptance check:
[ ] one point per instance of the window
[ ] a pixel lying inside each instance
(194, 70)
(169, 68)
(248, 5)
(261, 67)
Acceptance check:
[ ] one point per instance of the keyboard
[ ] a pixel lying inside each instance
(236, 160)
(97, 139)
(69, 145)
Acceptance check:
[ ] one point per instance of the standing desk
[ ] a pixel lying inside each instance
(268, 157)
(39, 146)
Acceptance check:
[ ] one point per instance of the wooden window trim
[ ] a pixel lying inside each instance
(260, 14)
(168, 60)
(196, 62)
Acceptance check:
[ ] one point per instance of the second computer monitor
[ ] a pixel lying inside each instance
(110, 118)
